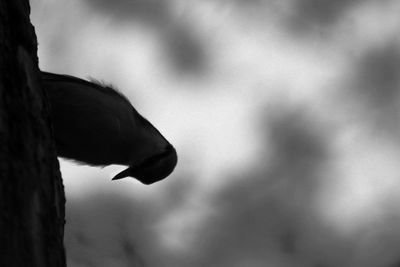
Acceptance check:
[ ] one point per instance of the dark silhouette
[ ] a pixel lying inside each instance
(31, 190)
(97, 125)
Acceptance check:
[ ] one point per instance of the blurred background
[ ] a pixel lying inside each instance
(285, 116)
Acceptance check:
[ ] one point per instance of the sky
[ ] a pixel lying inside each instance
(284, 115)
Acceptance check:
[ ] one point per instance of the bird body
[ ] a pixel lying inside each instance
(97, 125)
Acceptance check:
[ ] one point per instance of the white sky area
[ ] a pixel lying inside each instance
(215, 119)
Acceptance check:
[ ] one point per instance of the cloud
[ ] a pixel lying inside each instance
(377, 74)
(300, 17)
(267, 216)
(308, 14)
(372, 80)
(185, 50)
(105, 228)
(148, 11)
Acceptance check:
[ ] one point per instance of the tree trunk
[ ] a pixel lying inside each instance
(31, 191)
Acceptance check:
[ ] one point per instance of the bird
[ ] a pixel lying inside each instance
(95, 124)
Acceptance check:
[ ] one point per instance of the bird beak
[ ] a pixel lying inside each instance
(123, 174)
(131, 172)
(153, 169)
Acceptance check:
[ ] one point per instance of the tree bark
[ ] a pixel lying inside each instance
(32, 196)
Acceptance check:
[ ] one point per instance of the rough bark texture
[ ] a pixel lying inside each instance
(31, 191)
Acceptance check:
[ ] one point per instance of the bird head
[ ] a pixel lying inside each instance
(153, 168)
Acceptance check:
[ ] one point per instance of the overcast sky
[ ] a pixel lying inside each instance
(284, 115)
